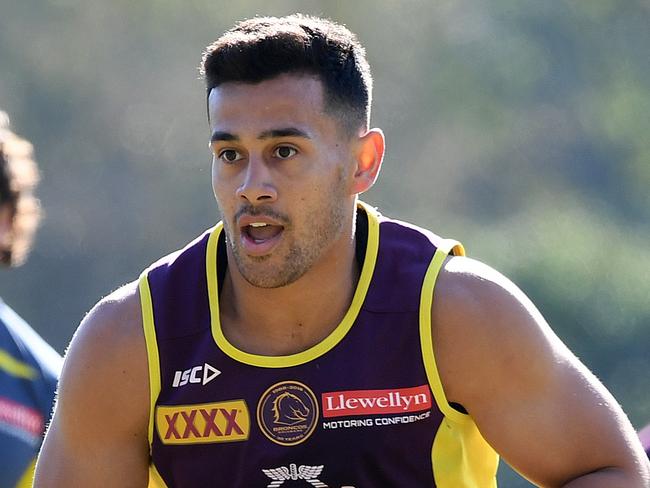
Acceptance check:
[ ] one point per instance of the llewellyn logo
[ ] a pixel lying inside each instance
(198, 374)
(372, 402)
(202, 424)
(287, 413)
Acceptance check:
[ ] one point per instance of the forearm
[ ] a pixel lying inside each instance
(610, 478)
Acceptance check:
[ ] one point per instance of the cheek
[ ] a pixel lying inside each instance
(213, 172)
(220, 194)
(220, 186)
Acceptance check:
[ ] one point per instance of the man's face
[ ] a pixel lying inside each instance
(281, 175)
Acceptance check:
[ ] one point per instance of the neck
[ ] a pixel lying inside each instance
(292, 318)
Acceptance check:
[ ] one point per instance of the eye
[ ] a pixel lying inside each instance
(284, 152)
(229, 156)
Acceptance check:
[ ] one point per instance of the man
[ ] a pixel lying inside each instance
(300, 342)
(29, 367)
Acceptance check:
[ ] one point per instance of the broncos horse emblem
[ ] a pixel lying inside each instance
(288, 409)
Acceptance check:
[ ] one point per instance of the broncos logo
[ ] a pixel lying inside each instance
(288, 409)
(287, 413)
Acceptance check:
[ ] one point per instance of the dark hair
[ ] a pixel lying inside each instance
(18, 178)
(262, 48)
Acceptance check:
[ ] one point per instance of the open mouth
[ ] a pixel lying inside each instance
(259, 232)
(259, 238)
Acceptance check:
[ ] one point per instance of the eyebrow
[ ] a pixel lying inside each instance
(284, 132)
(223, 136)
(267, 134)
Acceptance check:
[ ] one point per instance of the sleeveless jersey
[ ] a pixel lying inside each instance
(29, 369)
(363, 408)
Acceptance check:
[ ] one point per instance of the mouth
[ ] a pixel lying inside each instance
(259, 237)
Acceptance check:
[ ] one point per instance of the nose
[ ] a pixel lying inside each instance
(257, 186)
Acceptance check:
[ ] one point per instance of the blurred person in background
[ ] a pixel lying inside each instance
(644, 435)
(29, 367)
(299, 341)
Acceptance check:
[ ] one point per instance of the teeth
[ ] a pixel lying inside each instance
(258, 224)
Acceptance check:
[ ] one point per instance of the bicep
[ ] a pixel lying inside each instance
(66, 460)
(531, 398)
(98, 434)
(553, 425)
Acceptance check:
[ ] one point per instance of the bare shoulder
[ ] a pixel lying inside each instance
(107, 355)
(498, 357)
(469, 287)
(99, 431)
(113, 324)
(483, 320)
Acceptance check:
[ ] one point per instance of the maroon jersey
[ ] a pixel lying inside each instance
(363, 408)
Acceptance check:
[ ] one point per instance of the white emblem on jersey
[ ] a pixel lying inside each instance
(198, 374)
(308, 473)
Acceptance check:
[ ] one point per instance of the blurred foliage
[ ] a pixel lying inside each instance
(519, 127)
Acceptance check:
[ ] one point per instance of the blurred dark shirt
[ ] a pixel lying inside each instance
(29, 369)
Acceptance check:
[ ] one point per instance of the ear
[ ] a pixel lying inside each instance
(369, 155)
(6, 224)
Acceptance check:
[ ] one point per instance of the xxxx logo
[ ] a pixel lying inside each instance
(205, 423)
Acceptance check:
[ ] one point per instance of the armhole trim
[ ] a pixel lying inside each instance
(155, 480)
(426, 334)
(153, 358)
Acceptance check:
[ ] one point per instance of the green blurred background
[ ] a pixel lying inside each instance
(517, 126)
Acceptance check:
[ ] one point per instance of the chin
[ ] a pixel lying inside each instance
(267, 282)
(270, 277)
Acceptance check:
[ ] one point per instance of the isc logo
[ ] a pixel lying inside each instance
(198, 374)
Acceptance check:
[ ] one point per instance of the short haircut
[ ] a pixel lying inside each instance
(263, 48)
(18, 179)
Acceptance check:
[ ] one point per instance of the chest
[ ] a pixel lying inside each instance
(361, 414)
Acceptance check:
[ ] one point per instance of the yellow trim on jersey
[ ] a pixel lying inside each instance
(155, 480)
(454, 247)
(426, 301)
(326, 344)
(152, 350)
(16, 367)
(460, 457)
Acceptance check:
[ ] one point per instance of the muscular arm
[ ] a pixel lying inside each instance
(531, 398)
(98, 435)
